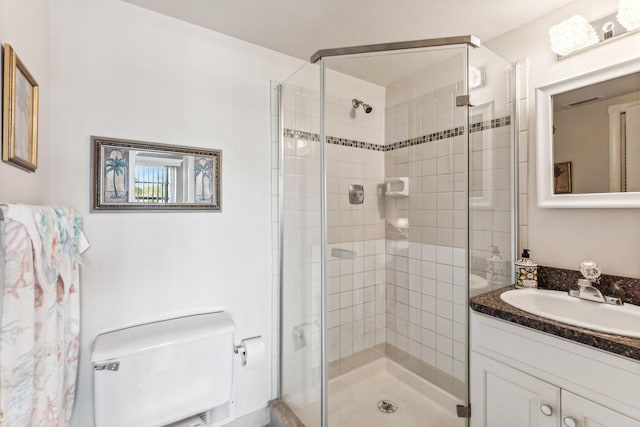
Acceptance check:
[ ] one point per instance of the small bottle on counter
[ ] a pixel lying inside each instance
(526, 271)
(496, 268)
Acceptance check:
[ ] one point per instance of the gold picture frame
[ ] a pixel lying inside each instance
(20, 113)
(562, 178)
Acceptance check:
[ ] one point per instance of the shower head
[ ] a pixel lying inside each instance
(366, 107)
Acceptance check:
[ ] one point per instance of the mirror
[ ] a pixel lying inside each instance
(596, 137)
(588, 145)
(143, 176)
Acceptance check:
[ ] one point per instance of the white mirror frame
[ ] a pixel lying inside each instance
(544, 143)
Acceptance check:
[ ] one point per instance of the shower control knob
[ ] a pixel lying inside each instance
(570, 422)
(546, 409)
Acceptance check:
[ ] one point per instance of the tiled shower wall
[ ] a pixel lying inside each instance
(355, 288)
(426, 231)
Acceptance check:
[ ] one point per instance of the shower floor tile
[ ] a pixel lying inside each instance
(354, 397)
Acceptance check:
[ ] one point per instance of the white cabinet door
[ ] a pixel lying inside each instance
(505, 397)
(580, 412)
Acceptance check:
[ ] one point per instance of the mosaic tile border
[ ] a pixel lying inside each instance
(298, 134)
(356, 144)
(491, 124)
(435, 136)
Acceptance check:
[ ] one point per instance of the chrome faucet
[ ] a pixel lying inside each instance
(586, 289)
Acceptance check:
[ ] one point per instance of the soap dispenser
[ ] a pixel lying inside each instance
(526, 271)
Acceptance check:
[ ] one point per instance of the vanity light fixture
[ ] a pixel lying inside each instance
(629, 14)
(572, 35)
(576, 34)
(607, 30)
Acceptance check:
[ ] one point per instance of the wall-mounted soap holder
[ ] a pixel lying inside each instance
(396, 187)
(343, 253)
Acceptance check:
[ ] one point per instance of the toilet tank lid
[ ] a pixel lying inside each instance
(136, 339)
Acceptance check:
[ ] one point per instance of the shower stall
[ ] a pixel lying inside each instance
(396, 204)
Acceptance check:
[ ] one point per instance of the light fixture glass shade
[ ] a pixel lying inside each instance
(475, 77)
(629, 14)
(571, 35)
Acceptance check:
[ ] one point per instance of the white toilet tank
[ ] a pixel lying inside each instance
(161, 372)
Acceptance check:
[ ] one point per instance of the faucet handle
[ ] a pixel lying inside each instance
(590, 270)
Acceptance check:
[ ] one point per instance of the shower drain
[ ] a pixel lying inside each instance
(387, 406)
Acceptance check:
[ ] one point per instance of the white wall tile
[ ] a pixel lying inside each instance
(444, 363)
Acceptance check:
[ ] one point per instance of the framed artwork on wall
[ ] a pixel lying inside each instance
(145, 176)
(562, 178)
(20, 113)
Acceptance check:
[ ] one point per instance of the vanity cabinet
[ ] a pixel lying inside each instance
(587, 413)
(524, 378)
(505, 397)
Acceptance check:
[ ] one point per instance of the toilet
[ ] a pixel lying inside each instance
(162, 372)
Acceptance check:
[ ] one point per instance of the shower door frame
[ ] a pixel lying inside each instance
(468, 41)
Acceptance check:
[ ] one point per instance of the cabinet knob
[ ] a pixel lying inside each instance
(546, 409)
(570, 422)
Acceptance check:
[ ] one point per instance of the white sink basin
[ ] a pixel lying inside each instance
(558, 305)
(477, 283)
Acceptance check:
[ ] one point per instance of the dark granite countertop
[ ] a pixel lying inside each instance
(491, 304)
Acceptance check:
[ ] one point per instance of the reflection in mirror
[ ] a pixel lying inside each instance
(133, 175)
(596, 137)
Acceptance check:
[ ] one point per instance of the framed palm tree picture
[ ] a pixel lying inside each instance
(117, 165)
(20, 113)
(144, 176)
(204, 184)
(562, 178)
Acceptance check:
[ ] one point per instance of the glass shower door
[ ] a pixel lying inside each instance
(491, 168)
(410, 155)
(300, 242)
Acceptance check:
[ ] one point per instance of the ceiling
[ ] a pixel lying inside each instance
(301, 27)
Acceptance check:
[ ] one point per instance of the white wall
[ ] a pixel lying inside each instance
(125, 72)
(25, 26)
(564, 237)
